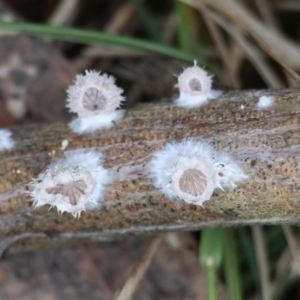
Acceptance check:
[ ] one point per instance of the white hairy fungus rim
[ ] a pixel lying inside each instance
(195, 87)
(90, 124)
(194, 81)
(93, 94)
(81, 171)
(168, 165)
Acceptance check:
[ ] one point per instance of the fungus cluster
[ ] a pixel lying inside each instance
(72, 184)
(192, 170)
(94, 98)
(195, 87)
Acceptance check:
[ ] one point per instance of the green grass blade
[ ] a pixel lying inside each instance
(248, 248)
(231, 268)
(210, 256)
(93, 37)
(183, 27)
(211, 247)
(211, 283)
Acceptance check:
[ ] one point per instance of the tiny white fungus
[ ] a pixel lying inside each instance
(94, 98)
(6, 142)
(64, 145)
(191, 170)
(72, 184)
(194, 86)
(265, 102)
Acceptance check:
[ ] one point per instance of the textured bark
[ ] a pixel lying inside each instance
(265, 143)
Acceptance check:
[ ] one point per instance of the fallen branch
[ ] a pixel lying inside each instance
(265, 143)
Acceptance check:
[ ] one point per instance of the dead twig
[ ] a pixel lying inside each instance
(264, 143)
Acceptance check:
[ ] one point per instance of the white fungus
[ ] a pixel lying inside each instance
(94, 98)
(194, 86)
(64, 145)
(265, 102)
(191, 170)
(72, 184)
(6, 142)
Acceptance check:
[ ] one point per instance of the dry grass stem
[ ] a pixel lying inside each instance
(271, 41)
(139, 270)
(251, 51)
(220, 45)
(169, 29)
(116, 25)
(282, 266)
(288, 5)
(267, 14)
(65, 13)
(236, 56)
(121, 17)
(263, 262)
(292, 242)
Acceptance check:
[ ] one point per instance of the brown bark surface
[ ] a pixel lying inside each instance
(265, 143)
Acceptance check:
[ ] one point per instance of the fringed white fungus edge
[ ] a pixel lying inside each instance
(191, 170)
(194, 86)
(94, 98)
(71, 184)
(93, 123)
(6, 142)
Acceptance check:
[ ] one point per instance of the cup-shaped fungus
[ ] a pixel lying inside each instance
(191, 170)
(192, 180)
(72, 184)
(194, 86)
(94, 98)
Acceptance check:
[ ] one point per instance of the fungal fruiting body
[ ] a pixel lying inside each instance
(94, 98)
(6, 142)
(72, 184)
(64, 145)
(265, 102)
(191, 170)
(194, 86)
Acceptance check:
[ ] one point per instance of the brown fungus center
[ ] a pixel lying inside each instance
(193, 182)
(195, 85)
(93, 99)
(73, 190)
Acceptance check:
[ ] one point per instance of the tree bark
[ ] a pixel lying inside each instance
(265, 143)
